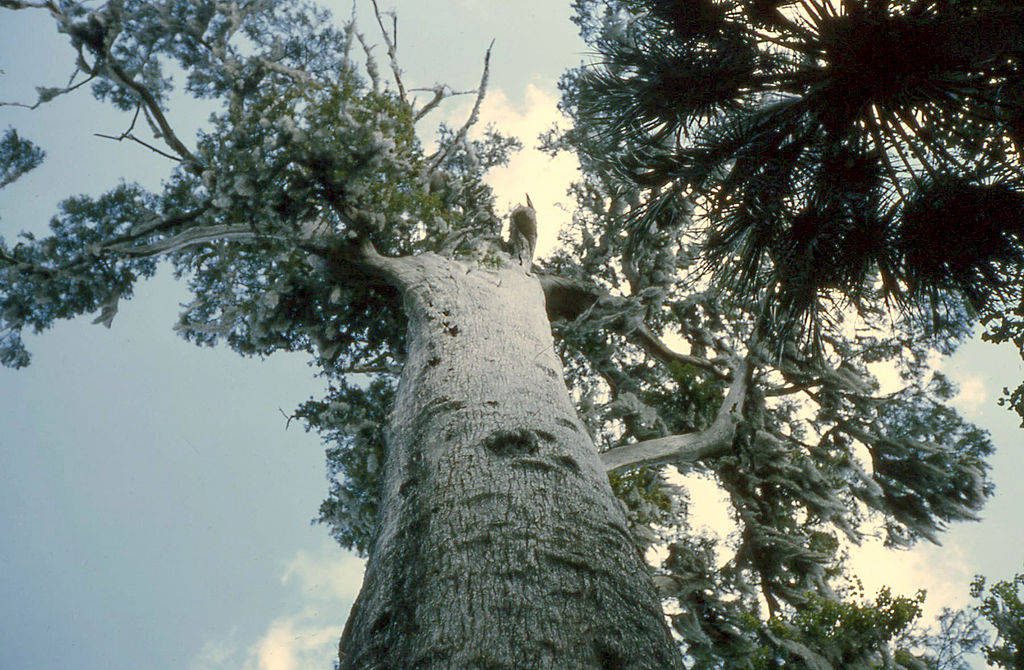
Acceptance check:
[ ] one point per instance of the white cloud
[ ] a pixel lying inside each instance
(530, 171)
(218, 654)
(942, 571)
(973, 392)
(291, 643)
(326, 576)
(710, 511)
(329, 583)
(972, 395)
(888, 376)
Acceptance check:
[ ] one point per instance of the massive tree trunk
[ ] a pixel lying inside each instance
(501, 545)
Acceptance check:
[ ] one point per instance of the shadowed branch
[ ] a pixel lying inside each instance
(688, 447)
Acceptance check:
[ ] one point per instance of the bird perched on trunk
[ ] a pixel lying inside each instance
(522, 234)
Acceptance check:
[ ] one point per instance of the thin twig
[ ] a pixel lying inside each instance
(157, 114)
(133, 138)
(41, 101)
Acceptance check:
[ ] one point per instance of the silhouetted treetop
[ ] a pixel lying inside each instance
(832, 151)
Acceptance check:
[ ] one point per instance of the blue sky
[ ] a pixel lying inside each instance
(154, 508)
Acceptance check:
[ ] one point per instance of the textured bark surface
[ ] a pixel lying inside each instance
(502, 546)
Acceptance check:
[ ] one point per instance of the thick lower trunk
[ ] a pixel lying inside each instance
(501, 545)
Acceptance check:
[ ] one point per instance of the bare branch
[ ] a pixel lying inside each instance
(396, 269)
(569, 299)
(474, 116)
(381, 369)
(657, 349)
(133, 138)
(441, 93)
(300, 76)
(688, 447)
(116, 245)
(129, 135)
(188, 238)
(371, 63)
(812, 659)
(361, 255)
(522, 234)
(157, 225)
(391, 41)
(24, 4)
(790, 389)
(153, 110)
(47, 94)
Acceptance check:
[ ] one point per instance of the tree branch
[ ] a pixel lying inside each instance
(371, 63)
(441, 92)
(157, 114)
(689, 447)
(657, 349)
(188, 238)
(522, 234)
(300, 76)
(133, 138)
(474, 115)
(119, 244)
(48, 94)
(362, 255)
(568, 299)
(25, 4)
(391, 42)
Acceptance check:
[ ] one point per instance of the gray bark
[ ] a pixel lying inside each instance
(501, 544)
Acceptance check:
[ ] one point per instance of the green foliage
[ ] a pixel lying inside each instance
(921, 485)
(836, 151)
(17, 156)
(848, 632)
(1001, 605)
(351, 420)
(721, 215)
(718, 621)
(306, 151)
(64, 275)
(1007, 325)
(303, 152)
(722, 148)
(652, 503)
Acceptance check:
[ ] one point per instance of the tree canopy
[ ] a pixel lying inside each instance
(835, 152)
(749, 169)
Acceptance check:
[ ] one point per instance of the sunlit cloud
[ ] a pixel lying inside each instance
(531, 171)
(973, 395)
(330, 576)
(942, 571)
(218, 654)
(295, 643)
(308, 638)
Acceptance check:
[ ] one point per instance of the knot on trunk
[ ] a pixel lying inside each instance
(512, 442)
